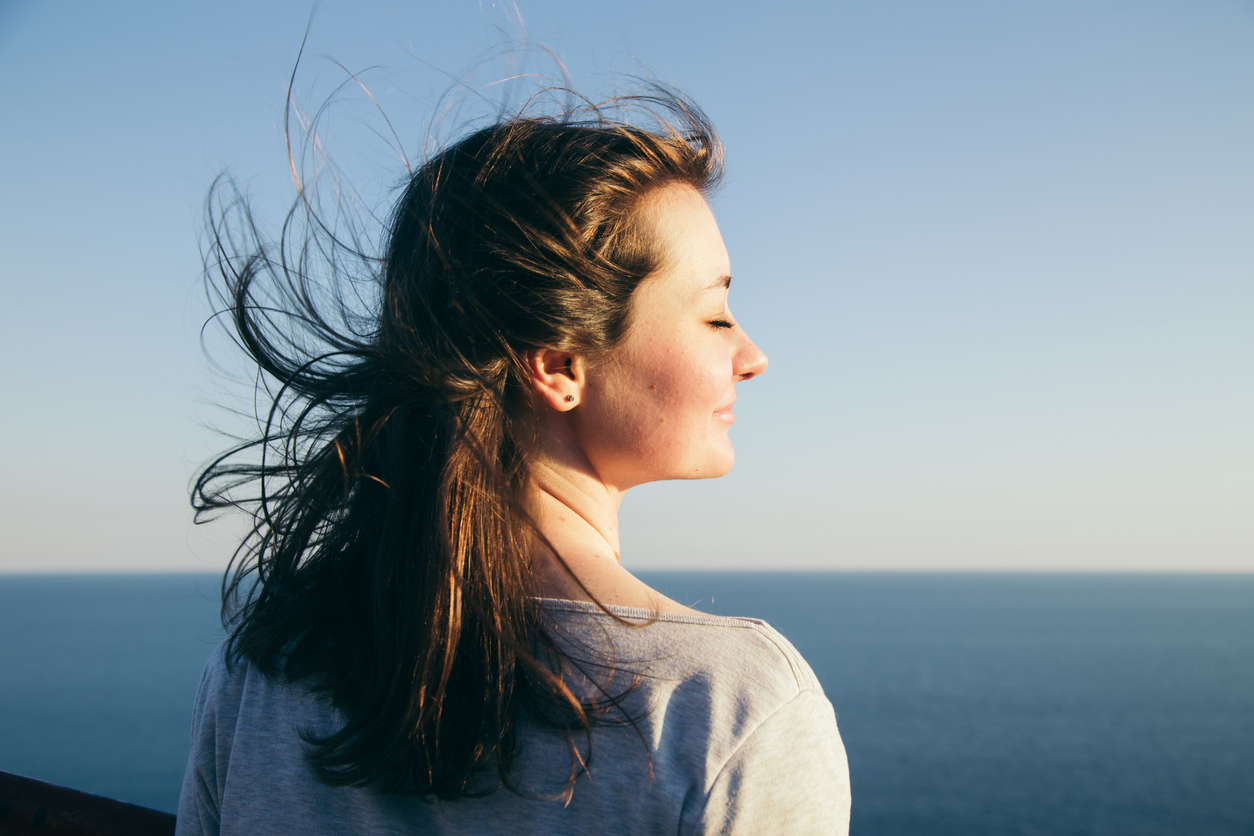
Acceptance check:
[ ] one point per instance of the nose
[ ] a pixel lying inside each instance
(750, 361)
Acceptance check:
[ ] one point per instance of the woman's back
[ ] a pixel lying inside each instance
(731, 733)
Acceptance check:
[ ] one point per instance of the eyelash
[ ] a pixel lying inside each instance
(721, 323)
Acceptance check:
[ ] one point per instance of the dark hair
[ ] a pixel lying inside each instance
(388, 561)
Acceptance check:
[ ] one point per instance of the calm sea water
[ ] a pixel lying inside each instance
(969, 704)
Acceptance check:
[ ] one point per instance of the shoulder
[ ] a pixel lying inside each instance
(226, 685)
(221, 686)
(723, 650)
(235, 698)
(732, 712)
(714, 679)
(243, 715)
(247, 766)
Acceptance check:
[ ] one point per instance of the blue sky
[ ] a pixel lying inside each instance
(1001, 256)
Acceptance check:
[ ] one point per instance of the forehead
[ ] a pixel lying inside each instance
(694, 256)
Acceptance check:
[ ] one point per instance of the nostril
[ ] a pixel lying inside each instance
(756, 366)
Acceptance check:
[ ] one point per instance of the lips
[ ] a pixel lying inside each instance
(725, 412)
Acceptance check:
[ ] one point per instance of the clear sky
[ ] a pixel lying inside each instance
(1001, 256)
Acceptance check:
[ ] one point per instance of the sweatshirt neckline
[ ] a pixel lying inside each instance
(641, 614)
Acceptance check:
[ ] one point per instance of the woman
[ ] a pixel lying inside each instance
(430, 630)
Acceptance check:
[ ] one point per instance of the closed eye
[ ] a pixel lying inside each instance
(722, 323)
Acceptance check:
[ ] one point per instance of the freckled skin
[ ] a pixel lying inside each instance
(660, 406)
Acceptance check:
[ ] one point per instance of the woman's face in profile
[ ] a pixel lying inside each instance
(660, 406)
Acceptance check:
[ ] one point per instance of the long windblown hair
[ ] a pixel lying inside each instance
(387, 565)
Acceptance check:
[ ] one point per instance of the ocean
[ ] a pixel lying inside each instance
(969, 703)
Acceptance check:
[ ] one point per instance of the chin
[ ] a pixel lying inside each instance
(715, 467)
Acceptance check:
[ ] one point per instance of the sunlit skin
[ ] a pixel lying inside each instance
(659, 407)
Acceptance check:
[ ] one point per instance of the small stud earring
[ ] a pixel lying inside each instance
(570, 398)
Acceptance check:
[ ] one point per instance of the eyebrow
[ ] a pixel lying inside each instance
(721, 282)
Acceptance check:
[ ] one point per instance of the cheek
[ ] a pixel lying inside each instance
(678, 400)
(695, 382)
(631, 430)
(654, 417)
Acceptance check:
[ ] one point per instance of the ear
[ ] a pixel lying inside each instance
(557, 376)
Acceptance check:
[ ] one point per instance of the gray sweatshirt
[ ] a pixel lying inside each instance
(733, 735)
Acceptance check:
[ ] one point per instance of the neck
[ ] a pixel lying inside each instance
(577, 513)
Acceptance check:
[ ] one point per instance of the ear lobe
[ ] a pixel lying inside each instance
(556, 376)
